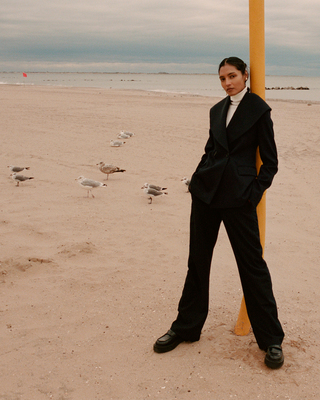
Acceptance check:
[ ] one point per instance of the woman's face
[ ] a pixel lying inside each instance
(232, 80)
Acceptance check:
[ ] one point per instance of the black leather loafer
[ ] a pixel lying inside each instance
(274, 358)
(167, 342)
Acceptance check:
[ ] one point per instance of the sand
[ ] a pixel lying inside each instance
(88, 284)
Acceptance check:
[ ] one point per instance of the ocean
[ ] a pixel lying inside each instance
(284, 87)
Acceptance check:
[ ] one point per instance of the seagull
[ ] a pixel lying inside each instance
(116, 143)
(186, 181)
(123, 135)
(152, 193)
(109, 168)
(126, 133)
(159, 188)
(89, 184)
(20, 178)
(14, 168)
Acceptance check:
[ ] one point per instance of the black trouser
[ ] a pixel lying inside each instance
(241, 224)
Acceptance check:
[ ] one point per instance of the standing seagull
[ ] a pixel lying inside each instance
(186, 181)
(159, 188)
(20, 178)
(109, 168)
(14, 168)
(89, 184)
(152, 193)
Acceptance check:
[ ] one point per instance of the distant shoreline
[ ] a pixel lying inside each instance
(157, 92)
(280, 87)
(139, 73)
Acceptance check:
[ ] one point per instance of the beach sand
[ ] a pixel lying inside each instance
(88, 284)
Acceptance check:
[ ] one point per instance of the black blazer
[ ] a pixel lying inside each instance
(226, 175)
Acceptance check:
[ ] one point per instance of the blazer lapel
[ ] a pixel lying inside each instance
(248, 112)
(218, 119)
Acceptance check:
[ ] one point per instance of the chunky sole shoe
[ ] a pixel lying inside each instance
(167, 342)
(274, 358)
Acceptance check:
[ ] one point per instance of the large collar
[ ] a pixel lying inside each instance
(250, 109)
(218, 116)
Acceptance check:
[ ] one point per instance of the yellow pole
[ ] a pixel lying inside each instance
(257, 85)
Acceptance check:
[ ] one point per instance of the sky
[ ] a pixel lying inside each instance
(174, 36)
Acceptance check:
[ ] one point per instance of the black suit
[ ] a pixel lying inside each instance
(226, 188)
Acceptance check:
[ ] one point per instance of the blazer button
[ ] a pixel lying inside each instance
(227, 155)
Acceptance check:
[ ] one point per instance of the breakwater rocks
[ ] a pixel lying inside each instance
(287, 88)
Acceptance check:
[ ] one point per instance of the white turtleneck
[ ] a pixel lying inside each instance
(235, 101)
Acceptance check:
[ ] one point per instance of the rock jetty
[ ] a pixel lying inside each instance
(287, 88)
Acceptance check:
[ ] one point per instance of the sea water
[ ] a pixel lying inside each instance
(195, 84)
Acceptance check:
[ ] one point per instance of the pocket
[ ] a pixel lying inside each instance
(246, 170)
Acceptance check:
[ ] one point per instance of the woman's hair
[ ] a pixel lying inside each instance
(236, 62)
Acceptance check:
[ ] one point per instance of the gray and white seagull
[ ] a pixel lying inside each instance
(126, 133)
(20, 178)
(159, 188)
(186, 181)
(116, 143)
(14, 168)
(150, 192)
(89, 184)
(123, 135)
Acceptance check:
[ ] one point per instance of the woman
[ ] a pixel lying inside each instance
(226, 188)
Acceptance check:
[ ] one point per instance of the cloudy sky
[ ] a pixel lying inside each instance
(154, 35)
